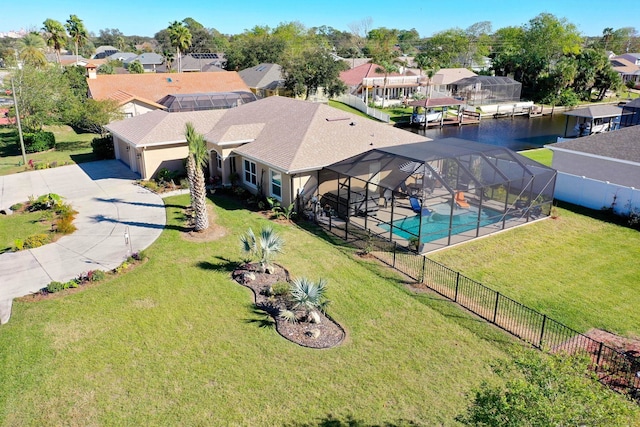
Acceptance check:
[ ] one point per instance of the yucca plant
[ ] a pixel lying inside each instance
(264, 248)
(309, 296)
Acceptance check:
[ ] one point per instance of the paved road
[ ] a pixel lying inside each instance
(108, 205)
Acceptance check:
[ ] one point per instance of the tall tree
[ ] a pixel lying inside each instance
(429, 66)
(180, 37)
(55, 35)
(196, 161)
(44, 97)
(77, 32)
(607, 35)
(313, 69)
(382, 43)
(30, 47)
(447, 47)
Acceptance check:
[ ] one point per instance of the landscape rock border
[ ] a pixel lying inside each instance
(326, 334)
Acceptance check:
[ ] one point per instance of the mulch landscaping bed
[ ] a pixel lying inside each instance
(325, 334)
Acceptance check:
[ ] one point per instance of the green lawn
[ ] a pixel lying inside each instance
(20, 226)
(541, 155)
(347, 108)
(70, 148)
(576, 269)
(176, 342)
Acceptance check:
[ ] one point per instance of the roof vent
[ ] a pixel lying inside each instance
(336, 119)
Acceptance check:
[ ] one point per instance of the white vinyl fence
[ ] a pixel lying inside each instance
(359, 104)
(594, 194)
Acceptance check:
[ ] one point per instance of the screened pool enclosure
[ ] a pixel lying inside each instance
(431, 195)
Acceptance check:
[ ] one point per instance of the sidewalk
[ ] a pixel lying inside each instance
(108, 204)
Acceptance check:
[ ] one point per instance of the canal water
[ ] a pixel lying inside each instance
(518, 133)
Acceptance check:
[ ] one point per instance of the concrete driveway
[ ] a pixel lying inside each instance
(108, 204)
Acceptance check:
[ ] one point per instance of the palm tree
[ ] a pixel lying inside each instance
(309, 296)
(264, 248)
(196, 160)
(430, 65)
(120, 43)
(180, 37)
(55, 35)
(386, 67)
(77, 32)
(30, 47)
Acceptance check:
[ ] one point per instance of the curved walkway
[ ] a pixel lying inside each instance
(109, 206)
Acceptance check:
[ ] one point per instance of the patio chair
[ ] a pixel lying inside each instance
(460, 201)
(415, 206)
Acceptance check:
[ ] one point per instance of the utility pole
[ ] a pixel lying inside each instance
(15, 106)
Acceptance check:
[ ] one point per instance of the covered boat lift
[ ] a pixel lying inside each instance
(593, 119)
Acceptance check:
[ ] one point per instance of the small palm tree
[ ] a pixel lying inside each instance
(264, 248)
(31, 46)
(195, 162)
(309, 296)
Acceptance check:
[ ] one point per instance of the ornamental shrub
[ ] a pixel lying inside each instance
(103, 147)
(36, 241)
(39, 141)
(55, 286)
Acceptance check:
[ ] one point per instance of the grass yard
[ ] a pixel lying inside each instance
(20, 226)
(540, 155)
(348, 109)
(176, 342)
(70, 148)
(576, 269)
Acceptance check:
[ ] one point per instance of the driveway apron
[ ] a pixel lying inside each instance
(115, 219)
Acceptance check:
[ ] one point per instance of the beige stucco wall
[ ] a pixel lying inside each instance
(170, 157)
(136, 108)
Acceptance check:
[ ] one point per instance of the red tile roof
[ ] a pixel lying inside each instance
(355, 75)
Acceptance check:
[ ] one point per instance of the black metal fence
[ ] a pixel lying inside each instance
(620, 371)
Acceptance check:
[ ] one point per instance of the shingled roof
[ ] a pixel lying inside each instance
(288, 134)
(622, 144)
(155, 87)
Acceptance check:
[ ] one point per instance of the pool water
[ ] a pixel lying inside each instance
(436, 226)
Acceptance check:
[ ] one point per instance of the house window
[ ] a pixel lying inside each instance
(250, 173)
(219, 161)
(276, 184)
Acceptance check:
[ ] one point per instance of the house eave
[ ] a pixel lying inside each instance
(593, 156)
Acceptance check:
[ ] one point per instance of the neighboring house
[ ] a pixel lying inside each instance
(264, 80)
(104, 51)
(276, 145)
(121, 56)
(600, 171)
(441, 84)
(140, 93)
(631, 57)
(151, 62)
(201, 62)
(627, 70)
(365, 82)
(67, 59)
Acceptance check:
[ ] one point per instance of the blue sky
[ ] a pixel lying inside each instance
(145, 18)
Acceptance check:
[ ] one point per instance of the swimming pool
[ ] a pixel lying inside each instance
(436, 226)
